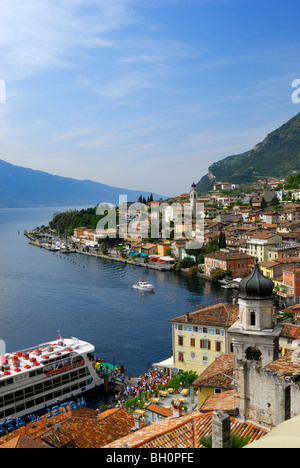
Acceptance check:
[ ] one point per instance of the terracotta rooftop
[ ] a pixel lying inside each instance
(219, 374)
(22, 442)
(224, 401)
(229, 256)
(167, 413)
(183, 432)
(292, 308)
(86, 427)
(290, 331)
(263, 235)
(287, 365)
(222, 315)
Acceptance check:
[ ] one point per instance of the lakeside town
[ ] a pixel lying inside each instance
(241, 222)
(204, 394)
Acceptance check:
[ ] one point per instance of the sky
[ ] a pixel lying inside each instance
(143, 95)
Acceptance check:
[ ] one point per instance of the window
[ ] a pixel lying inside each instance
(193, 342)
(180, 357)
(205, 344)
(180, 340)
(195, 329)
(252, 318)
(218, 331)
(204, 329)
(218, 346)
(204, 360)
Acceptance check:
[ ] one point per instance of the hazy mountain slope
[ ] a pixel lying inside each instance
(22, 187)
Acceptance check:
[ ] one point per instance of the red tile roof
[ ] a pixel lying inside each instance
(290, 331)
(87, 427)
(160, 410)
(183, 432)
(222, 315)
(224, 401)
(219, 374)
(22, 441)
(287, 365)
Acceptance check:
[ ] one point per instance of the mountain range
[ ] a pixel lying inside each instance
(278, 155)
(21, 187)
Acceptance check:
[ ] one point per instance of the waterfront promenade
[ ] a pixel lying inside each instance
(151, 265)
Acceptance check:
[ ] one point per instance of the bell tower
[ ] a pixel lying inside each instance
(193, 199)
(256, 333)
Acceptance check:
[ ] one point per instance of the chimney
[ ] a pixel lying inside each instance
(220, 430)
(187, 317)
(137, 422)
(177, 408)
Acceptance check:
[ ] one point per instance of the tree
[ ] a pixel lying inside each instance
(263, 203)
(222, 240)
(183, 378)
(274, 202)
(212, 245)
(236, 441)
(217, 274)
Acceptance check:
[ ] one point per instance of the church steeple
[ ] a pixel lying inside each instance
(193, 198)
(256, 334)
(256, 286)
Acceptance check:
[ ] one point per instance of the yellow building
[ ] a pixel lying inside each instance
(163, 248)
(78, 232)
(258, 245)
(288, 335)
(200, 337)
(217, 378)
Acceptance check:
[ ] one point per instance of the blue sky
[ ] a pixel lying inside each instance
(143, 95)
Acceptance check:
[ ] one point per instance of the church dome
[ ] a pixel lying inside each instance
(256, 286)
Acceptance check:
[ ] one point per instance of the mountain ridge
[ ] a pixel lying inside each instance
(22, 187)
(277, 155)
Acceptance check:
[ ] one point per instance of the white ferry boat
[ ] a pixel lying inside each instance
(34, 379)
(143, 285)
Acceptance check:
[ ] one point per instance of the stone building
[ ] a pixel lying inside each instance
(256, 334)
(267, 385)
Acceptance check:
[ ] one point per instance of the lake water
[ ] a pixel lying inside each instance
(88, 298)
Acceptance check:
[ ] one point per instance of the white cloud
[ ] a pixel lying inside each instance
(38, 35)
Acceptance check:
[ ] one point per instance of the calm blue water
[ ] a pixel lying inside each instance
(42, 292)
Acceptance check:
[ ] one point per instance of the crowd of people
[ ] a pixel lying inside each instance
(147, 382)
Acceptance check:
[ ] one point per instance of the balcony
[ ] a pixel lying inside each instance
(287, 293)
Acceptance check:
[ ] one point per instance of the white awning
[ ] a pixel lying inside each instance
(169, 363)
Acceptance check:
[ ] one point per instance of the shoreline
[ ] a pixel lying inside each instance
(159, 267)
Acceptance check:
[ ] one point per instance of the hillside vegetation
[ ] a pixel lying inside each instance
(278, 155)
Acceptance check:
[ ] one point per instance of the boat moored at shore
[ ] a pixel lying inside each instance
(50, 374)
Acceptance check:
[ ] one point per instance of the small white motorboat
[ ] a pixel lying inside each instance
(143, 285)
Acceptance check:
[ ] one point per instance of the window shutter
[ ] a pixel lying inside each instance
(208, 344)
(218, 346)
